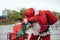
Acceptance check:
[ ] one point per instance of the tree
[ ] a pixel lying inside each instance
(14, 15)
(57, 14)
(22, 11)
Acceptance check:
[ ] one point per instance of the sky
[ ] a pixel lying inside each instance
(53, 5)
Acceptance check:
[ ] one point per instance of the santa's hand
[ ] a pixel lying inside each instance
(25, 21)
(28, 25)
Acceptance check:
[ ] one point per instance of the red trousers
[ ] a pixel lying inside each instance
(47, 37)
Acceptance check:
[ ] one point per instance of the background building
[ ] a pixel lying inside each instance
(5, 13)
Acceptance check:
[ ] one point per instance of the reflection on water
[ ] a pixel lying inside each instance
(54, 29)
(4, 30)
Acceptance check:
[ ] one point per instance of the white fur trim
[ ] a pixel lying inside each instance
(25, 21)
(29, 31)
(36, 11)
(38, 37)
(45, 33)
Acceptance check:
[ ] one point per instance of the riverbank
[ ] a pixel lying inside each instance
(6, 22)
(4, 29)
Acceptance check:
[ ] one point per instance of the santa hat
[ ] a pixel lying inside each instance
(31, 12)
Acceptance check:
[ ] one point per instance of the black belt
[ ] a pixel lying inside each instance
(45, 30)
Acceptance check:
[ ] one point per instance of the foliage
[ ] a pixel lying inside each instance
(57, 14)
(22, 11)
(14, 15)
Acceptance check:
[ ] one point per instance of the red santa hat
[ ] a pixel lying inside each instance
(31, 12)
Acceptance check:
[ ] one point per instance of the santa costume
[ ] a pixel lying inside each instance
(44, 18)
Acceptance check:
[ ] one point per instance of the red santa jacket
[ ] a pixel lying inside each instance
(44, 18)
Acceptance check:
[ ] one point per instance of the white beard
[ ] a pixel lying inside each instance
(33, 30)
(36, 28)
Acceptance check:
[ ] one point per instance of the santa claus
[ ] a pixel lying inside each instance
(44, 18)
